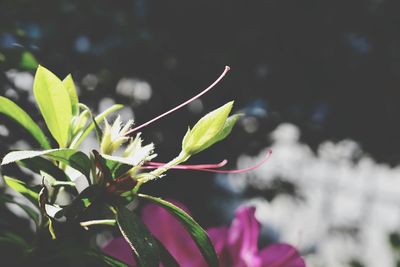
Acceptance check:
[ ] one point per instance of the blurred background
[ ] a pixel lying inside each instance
(318, 82)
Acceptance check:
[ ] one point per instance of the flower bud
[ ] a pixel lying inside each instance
(210, 129)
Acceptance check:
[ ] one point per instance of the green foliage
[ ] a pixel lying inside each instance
(23, 189)
(71, 157)
(54, 103)
(13, 111)
(138, 237)
(69, 85)
(28, 61)
(28, 210)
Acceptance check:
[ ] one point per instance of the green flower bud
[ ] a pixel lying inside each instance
(210, 129)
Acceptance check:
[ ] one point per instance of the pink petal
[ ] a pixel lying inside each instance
(218, 236)
(166, 228)
(119, 249)
(281, 255)
(243, 237)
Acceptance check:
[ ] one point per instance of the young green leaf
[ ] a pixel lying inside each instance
(69, 85)
(199, 235)
(74, 158)
(206, 130)
(138, 237)
(12, 110)
(54, 103)
(23, 189)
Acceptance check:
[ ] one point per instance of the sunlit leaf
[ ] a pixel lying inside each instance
(69, 85)
(74, 158)
(12, 110)
(54, 103)
(23, 189)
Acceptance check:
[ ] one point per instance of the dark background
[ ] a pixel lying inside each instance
(330, 67)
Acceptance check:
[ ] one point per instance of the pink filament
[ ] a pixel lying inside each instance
(154, 165)
(181, 105)
(210, 167)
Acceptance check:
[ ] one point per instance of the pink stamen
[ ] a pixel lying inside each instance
(181, 105)
(267, 155)
(209, 167)
(184, 166)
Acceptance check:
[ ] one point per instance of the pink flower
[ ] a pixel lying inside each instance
(236, 246)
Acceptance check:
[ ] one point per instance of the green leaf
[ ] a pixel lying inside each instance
(14, 239)
(28, 61)
(99, 132)
(110, 261)
(205, 131)
(138, 237)
(69, 85)
(28, 210)
(23, 189)
(54, 103)
(12, 110)
(74, 158)
(76, 142)
(39, 164)
(89, 195)
(43, 200)
(199, 235)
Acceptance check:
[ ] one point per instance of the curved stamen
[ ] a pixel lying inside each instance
(153, 164)
(210, 167)
(181, 105)
(267, 155)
